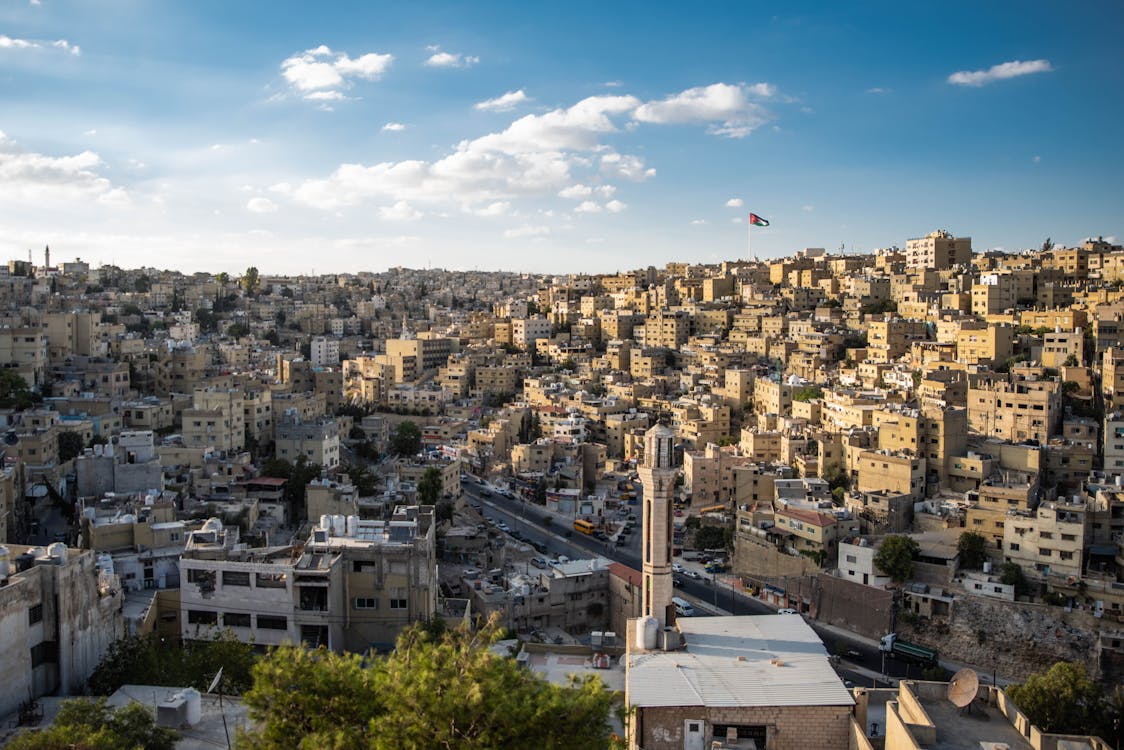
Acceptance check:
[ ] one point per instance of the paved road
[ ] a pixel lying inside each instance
(527, 519)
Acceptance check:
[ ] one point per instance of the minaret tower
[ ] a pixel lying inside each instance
(657, 475)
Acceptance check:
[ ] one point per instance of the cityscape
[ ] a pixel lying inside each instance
(452, 391)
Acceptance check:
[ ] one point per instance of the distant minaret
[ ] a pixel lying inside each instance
(657, 475)
(47, 257)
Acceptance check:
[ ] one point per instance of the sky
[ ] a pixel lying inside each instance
(550, 137)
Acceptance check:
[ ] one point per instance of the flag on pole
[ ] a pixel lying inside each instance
(757, 221)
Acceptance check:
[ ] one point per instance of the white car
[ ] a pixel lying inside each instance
(677, 568)
(787, 612)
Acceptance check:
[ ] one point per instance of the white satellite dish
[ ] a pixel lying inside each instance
(215, 681)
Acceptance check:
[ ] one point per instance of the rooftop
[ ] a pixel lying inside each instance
(765, 660)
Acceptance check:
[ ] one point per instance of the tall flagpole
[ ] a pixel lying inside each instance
(750, 238)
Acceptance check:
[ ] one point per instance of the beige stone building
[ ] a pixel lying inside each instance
(1015, 411)
(938, 250)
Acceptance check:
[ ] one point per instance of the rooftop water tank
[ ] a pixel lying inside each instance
(193, 701)
(212, 524)
(647, 633)
(57, 552)
(5, 558)
(326, 522)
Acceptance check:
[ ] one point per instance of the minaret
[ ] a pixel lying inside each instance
(47, 257)
(657, 475)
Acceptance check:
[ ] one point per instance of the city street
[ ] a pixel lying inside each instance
(527, 519)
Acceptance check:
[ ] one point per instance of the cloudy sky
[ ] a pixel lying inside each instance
(580, 136)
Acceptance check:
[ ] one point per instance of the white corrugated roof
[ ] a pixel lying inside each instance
(728, 662)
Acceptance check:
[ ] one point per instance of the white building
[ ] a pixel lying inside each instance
(325, 352)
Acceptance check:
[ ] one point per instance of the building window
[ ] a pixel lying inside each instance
(399, 598)
(236, 619)
(366, 603)
(202, 617)
(35, 614)
(235, 578)
(273, 622)
(46, 652)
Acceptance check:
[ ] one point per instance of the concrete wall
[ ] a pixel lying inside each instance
(787, 727)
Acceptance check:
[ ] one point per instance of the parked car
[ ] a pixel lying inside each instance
(621, 541)
(539, 562)
(677, 568)
(694, 574)
(787, 611)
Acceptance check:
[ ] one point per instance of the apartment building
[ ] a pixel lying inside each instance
(938, 250)
(60, 611)
(1049, 541)
(1015, 411)
(355, 585)
(318, 440)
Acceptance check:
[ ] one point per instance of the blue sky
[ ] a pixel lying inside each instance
(549, 137)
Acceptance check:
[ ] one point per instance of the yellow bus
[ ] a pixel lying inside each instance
(584, 526)
(713, 509)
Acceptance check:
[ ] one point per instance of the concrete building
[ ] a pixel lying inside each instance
(324, 351)
(354, 587)
(60, 610)
(938, 250)
(1015, 411)
(318, 440)
(765, 679)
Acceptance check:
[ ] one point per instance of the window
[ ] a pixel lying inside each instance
(46, 652)
(202, 617)
(35, 614)
(366, 603)
(235, 619)
(399, 598)
(273, 622)
(235, 578)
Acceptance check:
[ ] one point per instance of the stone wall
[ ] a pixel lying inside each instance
(787, 727)
(1013, 638)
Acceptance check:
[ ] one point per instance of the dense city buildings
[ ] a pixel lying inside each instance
(328, 459)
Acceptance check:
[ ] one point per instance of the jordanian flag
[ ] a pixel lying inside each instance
(757, 221)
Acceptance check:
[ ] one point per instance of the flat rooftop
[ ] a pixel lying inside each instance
(762, 660)
(983, 723)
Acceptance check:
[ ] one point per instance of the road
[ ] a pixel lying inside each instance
(527, 519)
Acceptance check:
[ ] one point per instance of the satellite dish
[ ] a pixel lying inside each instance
(962, 688)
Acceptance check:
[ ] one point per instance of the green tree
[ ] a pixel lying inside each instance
(251, 280)
(973, 550)
(85, 724)
(237, 330)
(438, 689)
(430, 486)
(807, 393)
(406, 440)
(1062, 700)
(1012, 574)
(710, 537)
(895, 557)
(70, 445)
(149, 660)
(14, 393)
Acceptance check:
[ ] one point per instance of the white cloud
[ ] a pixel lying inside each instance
(503, 103)
(575, 191)
(626, 166)
(450, 60)
(400, 211)
(35, 177)
(497, 208)
(615, 207)
(588, 207)
(7, 42)
(999, 72)
(809, 209)
(735, 203)
(1036, 158)
(698, 222)
(878, 90)
(66, 46)
(319, 73)
(727, 108)
(527, 230)
(393, 127)
(261, 206)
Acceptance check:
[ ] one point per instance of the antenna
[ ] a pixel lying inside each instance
(962, 688)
